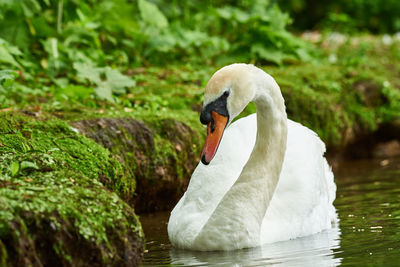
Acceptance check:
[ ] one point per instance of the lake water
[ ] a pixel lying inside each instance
(368, 234)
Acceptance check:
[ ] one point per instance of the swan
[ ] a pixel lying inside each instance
(261, 180)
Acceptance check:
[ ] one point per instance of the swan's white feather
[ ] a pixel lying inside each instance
(302, 202)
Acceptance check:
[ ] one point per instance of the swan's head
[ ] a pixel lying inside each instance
(227, 93)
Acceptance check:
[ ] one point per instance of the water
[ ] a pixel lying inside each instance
(368, 204)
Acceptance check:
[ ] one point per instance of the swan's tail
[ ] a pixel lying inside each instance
(331, 186)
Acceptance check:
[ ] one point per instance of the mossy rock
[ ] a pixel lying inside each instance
(160, 155)
(54, 207)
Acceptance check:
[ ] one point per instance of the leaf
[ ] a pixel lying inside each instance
(117, 81)
(104, 92)
(85, 71)
(224, 12)
(30, 7)
(151, 14)
(272, 55)
(6, 57)
(7, 75)
(14, 168)
(29, 165)
(114, 81)
(231, 13)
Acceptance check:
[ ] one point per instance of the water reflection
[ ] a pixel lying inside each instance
(315, 250)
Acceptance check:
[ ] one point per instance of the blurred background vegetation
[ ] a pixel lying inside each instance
(72, 44)
(375, 16)
(100, 52)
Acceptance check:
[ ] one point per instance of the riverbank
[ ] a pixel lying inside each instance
(80, 167)
(57, 199)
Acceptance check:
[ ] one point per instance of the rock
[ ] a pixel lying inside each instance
(387, 149)
(158, 155)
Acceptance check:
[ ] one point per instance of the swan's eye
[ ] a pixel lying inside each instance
(226, 93)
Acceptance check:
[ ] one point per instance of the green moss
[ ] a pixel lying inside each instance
(158, 152)
(49, 175)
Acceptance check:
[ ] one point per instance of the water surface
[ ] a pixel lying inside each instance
(368, 234)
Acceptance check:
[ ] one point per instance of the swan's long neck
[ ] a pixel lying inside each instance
(265, 162)
(238, 217)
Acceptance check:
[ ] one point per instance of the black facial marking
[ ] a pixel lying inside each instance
(205, 116)
(212, 125)
(219, 105)
(203, 160)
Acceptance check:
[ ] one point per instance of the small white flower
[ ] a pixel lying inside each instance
(386, 84)
(333, 58)
(74, 129)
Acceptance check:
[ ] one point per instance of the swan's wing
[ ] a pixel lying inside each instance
(209, 184)
(302, 203)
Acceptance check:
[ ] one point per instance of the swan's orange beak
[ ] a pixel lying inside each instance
(215, 130)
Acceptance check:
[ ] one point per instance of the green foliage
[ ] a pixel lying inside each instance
(90, 30)
(248, 31)
(113, 80)
(12, 92)
(261, 34)
(49, 38)
(377, 16)
(57, 47)
(7, 76)
(8, 52)
(151, 15)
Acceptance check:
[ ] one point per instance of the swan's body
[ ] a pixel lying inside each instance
(265, 184)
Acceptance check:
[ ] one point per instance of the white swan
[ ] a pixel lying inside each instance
(268, 180)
